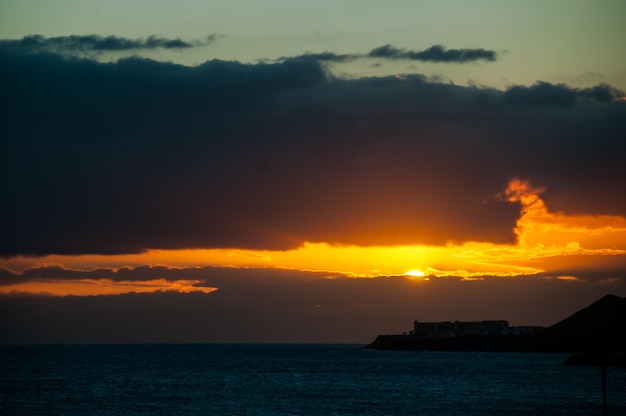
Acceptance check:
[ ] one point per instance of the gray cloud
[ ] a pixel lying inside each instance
(224, 277)
(97, 43)
(321, 56)
(136, 154)
(544, 93)
(436, 53)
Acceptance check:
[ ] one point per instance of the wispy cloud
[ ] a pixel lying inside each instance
(322, 56)
(436, 53)
(99, 44)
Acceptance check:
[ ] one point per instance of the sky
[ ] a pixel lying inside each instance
(306, 172)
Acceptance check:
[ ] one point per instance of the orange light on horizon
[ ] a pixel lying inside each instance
(545, 240)
(91, 287)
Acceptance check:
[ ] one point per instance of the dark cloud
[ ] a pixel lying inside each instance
(588, 267)
(8, 277)
(120, 157)
(289, 306)
(97, 43)
(436, 53)
(322, 56)
(544, 93)
(224, 277)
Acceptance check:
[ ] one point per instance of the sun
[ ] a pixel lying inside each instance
(415, 273)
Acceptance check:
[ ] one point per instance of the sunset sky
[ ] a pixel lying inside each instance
(290, 171)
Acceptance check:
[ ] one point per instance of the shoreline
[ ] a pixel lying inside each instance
(499, 343)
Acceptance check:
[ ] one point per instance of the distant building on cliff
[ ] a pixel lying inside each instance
(458, 328)
(526, 330)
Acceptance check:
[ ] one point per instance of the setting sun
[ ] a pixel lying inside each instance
(415, 273)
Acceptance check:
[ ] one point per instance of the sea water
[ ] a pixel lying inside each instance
(296, 380)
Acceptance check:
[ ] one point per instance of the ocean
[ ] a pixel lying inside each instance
(218, 379)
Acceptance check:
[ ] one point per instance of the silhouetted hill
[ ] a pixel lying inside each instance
(599, 327)
(603, 318)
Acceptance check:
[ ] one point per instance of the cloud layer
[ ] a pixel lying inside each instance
(301, 307)
(135, 154)
(436, 53)
(97, 43)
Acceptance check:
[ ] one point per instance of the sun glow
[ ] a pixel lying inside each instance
(545, 241)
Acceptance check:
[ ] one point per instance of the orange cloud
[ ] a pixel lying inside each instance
(546, 242)
(538, 228)
(86, 287)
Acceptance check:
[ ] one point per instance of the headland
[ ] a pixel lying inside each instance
(600, 327)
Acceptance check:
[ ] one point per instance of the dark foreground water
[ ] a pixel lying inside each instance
(296, 380)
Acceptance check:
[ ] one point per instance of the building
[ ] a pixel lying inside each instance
(458, 328)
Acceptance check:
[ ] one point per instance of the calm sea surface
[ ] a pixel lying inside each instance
(296, 380)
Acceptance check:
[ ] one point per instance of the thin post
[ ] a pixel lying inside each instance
(603, 357)
(603, 387)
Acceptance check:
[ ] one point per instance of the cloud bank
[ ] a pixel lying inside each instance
(135, 154)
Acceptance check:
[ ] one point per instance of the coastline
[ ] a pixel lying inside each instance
(498, 343)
